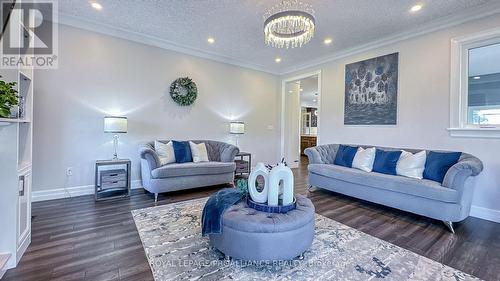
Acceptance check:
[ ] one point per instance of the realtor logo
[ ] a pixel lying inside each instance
(29, 36)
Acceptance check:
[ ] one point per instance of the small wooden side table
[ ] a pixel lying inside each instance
(112, 179)
(243, 166)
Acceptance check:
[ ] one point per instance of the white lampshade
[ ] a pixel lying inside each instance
(115, 124)
(236, 127)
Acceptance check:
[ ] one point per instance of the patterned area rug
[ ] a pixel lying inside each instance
(171, 237)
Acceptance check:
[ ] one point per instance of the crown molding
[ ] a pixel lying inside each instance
(155, 41)
(432, 26)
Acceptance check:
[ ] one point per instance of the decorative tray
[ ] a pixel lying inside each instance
(263, 207)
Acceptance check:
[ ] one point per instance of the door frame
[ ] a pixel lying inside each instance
(283, 109)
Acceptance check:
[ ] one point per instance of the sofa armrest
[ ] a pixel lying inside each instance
(457, 175)
(313, 155)
(148, 153)
(322, 154)
(228, 153)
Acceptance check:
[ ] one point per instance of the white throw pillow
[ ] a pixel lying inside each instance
(411, 165)
(199, 152)
(165, 152)
(364, 159)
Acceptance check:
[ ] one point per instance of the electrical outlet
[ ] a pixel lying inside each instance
(69, 171)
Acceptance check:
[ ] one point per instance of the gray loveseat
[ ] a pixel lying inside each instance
(178, 176)
(449, 201)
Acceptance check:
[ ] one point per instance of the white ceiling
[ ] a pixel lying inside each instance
(237, 25)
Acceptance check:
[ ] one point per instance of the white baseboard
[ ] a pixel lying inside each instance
(4, 262)
(485, 213)
(58, 193)
(23, 247)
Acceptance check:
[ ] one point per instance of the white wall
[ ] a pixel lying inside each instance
(100, 75)
(423, 101)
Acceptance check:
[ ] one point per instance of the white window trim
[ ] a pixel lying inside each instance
(460, 46)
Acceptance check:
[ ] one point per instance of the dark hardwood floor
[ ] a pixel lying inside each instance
(79, 239)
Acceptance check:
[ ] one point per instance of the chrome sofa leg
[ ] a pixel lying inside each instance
(311, 188)
(156, 198)
(449, 225)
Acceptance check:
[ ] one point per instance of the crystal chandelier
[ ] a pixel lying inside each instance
(289, 24)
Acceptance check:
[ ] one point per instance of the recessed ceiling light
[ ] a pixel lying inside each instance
(290, 91)
(277, 60)
(315, 100)
(328, 41)
(416, 8)
(301, 89)
(477, 77)
(211, 40)
(96, 6)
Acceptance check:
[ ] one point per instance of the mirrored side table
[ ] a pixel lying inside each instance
(112, 179)
(243, 166)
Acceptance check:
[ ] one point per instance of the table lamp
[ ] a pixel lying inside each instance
(237, 128)
(115, 125)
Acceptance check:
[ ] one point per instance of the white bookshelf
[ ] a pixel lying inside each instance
(16, 152)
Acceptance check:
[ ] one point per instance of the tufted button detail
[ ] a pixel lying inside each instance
(245, 219)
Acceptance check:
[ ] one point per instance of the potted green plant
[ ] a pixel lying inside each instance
(8, 98)
(242, 185)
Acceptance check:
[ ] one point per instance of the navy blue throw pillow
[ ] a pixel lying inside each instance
(182, 152)
(438, 164)
(386, 161)
(345, 155)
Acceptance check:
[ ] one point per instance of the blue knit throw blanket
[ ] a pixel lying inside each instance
(217, 204)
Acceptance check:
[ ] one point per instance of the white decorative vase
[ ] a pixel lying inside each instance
(259, 170)
(280, 173)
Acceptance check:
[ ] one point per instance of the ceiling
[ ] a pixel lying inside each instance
(237, 25)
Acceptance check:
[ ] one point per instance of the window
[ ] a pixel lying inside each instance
(475, 85)
(483, 98)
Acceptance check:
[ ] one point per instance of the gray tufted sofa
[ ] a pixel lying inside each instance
(449, 201)
(178, 176)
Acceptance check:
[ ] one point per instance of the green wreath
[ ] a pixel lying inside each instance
(183, 91)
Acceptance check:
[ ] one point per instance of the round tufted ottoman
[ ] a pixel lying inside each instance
(248, 234)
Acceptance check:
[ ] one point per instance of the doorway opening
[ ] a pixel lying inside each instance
(300, 116)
